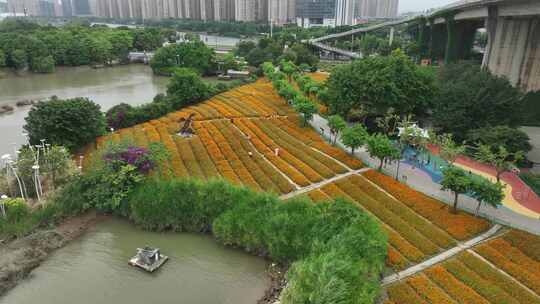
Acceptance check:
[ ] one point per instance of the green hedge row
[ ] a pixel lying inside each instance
(336, 252)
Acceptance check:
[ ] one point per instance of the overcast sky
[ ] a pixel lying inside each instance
(420, 5)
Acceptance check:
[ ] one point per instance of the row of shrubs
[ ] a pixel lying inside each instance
(336, 252)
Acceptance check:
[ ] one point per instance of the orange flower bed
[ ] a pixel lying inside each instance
(433, 294)
(386, 216)
(207, 165)
(528, 243)
(395, 260)
(453, 287)
(286, 140)
(485, 288)
(515, 255)
(426, 228)
(496, 278)
(403, 294)
(521, 273)
(461, 226)
(188, 158)
(318, 196)
(412, 253)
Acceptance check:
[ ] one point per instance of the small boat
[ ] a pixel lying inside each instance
(148, 258)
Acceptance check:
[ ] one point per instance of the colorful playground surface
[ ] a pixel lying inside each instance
(519, 197)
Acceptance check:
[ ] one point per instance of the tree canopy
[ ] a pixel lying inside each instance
(71, 123)
(186, 87)
(191, 54)
(473, 98)
(379, 83)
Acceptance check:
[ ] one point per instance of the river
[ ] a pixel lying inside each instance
(133, 84)
(93, 269)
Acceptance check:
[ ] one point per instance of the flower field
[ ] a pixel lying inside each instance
(413, 237)
(236, 136)
(463, 279)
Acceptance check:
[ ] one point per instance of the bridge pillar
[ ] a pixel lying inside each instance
(392, 32)
(437, 41)
(514, 51)
(423, 38)
(451, 52)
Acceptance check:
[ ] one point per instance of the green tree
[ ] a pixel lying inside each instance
(43, 64)
(71, 123)
(512, 139)
(194, 54)
(473, 98)
(486, 192)
(336, 125)
(100, 50)
(381, 147)
(288, 68)
(457, 181)
(244, 47)
(500, 158)
(19, 59)
(186, 87)
(2, 59)
(147, 39)
(306, 108)
(449, 149)
(354, 137)
(122, 43)
(380, 83)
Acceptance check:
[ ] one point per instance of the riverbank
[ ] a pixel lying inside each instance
(19, 257)
(278, 281)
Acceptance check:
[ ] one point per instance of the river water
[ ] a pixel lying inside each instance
(94, 270)
(133, 84)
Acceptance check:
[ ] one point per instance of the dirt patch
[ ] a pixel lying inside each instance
(277, 283)
(19, 257)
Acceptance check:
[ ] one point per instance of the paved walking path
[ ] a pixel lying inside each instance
(440, 257)
(422, 182)
(321, 184)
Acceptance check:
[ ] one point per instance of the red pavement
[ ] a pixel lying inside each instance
(522, 193)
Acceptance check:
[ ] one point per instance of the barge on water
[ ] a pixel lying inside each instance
(148, 258)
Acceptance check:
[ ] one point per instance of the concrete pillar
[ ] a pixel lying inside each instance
(423, 40)
(515, 52)
(491, 26)
(451, 53)
(437, 41)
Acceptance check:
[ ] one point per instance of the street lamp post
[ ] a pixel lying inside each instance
(9, 165)
(3, 198)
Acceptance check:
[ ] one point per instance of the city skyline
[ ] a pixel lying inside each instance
(303, 12)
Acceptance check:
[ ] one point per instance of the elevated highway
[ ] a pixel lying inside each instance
(447, 34)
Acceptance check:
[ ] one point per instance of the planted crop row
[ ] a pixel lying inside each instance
(407, 252)
(404, 228)
(324, 166)
(293, 168)
(461, 226)
(430, 231)
(523, 274)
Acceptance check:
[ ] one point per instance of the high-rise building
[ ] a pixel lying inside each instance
(244, 10)
(27, 7)
(320, 12)
(281, 11)
(367, 9)
(345, 12)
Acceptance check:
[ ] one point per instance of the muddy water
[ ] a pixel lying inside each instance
(133, 84)
(94, 270)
